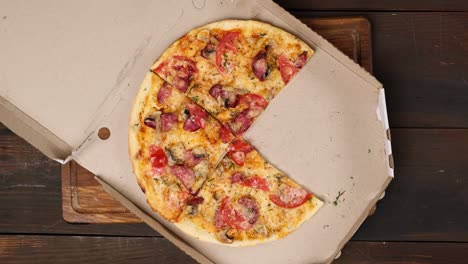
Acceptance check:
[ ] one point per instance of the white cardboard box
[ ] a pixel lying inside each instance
(68, 68)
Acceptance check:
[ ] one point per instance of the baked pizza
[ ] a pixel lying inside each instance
(233, 68)
(185, 132)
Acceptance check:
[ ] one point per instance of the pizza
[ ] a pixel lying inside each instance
(174, 143)
(248, 202)
(233, 68)
(186, 126)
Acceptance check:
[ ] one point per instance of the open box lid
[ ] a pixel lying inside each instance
(70, 68)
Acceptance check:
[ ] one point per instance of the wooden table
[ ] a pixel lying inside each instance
(420, 54)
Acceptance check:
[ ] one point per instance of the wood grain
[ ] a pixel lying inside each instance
(428, 200)
(382, 5)
(87, 249)
(30, 194)
(403, 253)
(422, 60)
(84, 200)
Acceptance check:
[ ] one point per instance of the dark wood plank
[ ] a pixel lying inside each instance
(428, 199)
(403, 252)
(422, 60)
(383, 5)
(85, 249)
(30, 194)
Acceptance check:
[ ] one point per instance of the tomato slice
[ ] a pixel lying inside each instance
(240, 145)
(238, 150)
(225, 134)
(226, 43)
(290, 197)
(286, 68)
(255, 182)
(243, 219)
(253, 100)
(158, 157)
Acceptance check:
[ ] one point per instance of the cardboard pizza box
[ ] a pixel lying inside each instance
(69, 69)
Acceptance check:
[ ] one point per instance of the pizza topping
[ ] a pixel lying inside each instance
(201, 170)
(209, 51)
(168, 121)
(191, 157)
(301, 60)
(226, 98)
(180, 68)
(216, 90)
(150, 122)
(224, 134)
(197, 118)
(242, 122)
(249, 211)
(259, 65)
(226, 44)
(237, 151)
(176, 153)
(195, 200)
(225, 237)
(255, 182)
(184, 174)
(287, 68)
(158, 158)
(164, 92)
(290, 197)
(244, 217)
(253, 100)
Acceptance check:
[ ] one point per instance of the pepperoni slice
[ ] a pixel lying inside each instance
(190, 160)
(196, 119)
(286, 68)
(242, 218)
(158, 158)
(253, 100)
(238, 150)
(260, 66)
(216, 91)
(241, 122)
(164, 92)
(290, 197)
(180, 68)
(225, 134)
(195, 200)
(226, 43)
(184, 174)
(229, 98)
(249, 211)
(168, 121)
(255, 182)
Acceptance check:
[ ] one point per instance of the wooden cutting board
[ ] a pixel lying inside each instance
(84, 200)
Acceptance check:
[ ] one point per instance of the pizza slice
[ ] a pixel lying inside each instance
(233, 68)
(174, 145)
(247, 201)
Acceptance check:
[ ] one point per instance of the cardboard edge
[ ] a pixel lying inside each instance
(324, 44)
(361, 220)
(33, 132)
(171, 236)
(383, 118)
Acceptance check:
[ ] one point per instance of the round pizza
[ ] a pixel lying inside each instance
(186, 126)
